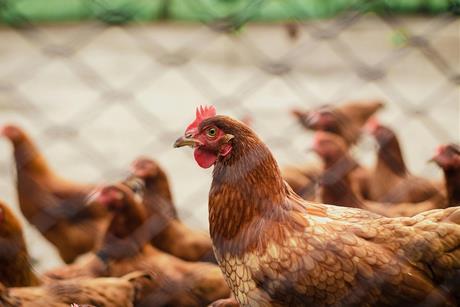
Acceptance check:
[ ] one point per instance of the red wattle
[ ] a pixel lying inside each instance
(204, 158)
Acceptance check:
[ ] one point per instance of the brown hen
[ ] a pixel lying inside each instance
(170, 235)
(345, 120)
(55, 206)
(126, 248)
(343, 182)
(448, 158)
(15, 267)
(391, 181)
(276, 249)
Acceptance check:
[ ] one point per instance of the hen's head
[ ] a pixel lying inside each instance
(330, 147)
(13, 133)
(324, 118)
(144, 168)
(381, 133)
(448, 156)
(116, 197)
(210, 136)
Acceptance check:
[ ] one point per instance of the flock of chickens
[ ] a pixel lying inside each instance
(386, 237)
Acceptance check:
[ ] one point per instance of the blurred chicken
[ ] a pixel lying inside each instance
(15, 267)
(125, 249)
(345, 120)
(448, 158)
(100, 292)
(391, 181)
(55, 206)
(343, 182)
(276, 249)
(170, 234)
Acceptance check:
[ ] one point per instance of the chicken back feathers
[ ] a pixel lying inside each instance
(276, 249)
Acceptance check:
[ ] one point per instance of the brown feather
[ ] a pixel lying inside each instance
(55, 206)
(101, 292)
(391, 182)
(126, 248)
(448, 158)
(274, 252)
(171, 234)
(15, 267)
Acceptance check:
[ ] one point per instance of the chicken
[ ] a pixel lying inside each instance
(345, 120)
(126, 248)
(170, 235)
(55, 206)
(276, 249)
(391, 181)
(344, 182)
(101, 292)
(448, 158)
(15, 267)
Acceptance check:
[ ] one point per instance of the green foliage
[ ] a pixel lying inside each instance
(234, 12)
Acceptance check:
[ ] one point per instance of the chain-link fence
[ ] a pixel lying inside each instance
(94, 95)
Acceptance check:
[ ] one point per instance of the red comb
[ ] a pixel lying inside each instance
(440, 149)
(201, 114)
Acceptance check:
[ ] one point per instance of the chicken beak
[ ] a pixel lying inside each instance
(186, 141)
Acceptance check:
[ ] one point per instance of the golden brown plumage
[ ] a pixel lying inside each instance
(15, 267)
(100, 292)
(55, 206)
(345, 120)
(171, 234)
(176, 282)
(391, 181)
(276, 249)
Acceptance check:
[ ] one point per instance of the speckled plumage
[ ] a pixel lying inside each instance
(101, 292)
(276, 249)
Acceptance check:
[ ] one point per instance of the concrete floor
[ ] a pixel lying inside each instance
(95, 97)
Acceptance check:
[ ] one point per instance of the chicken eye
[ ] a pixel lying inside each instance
(212, 132)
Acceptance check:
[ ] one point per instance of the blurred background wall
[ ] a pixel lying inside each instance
(98, 83)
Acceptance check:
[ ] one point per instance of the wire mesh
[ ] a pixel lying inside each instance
(97, 94)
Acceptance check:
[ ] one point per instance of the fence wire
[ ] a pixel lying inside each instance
(94, 95)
